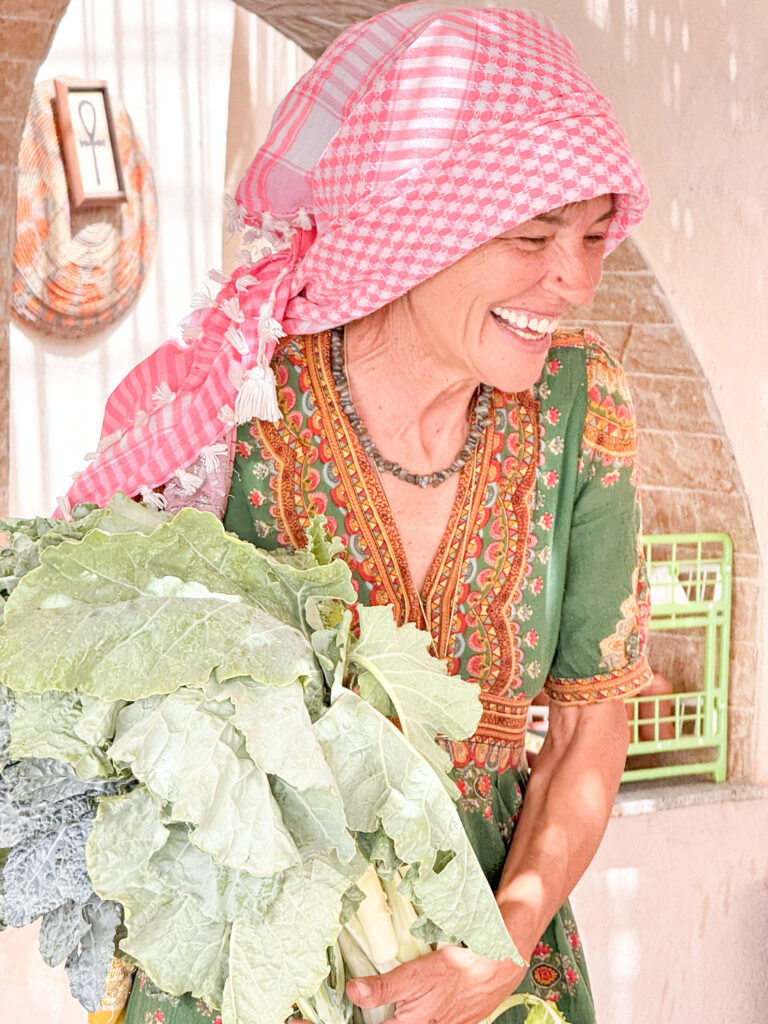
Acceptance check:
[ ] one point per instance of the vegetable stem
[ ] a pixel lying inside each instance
(543, 1011)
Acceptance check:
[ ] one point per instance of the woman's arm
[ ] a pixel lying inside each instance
(565, 812)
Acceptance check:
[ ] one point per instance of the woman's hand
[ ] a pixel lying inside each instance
(451, 986)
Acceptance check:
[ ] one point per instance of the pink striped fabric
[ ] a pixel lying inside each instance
(417, 136)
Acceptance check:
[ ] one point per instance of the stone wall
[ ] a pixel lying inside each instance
(690, 479)
(26, 31)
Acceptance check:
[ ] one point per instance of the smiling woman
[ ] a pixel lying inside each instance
(437, 192)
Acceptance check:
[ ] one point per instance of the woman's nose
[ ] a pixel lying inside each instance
(575, 274)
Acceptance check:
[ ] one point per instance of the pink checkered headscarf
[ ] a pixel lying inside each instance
(417, 136)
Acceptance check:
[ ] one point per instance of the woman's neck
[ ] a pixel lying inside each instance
(415, 408)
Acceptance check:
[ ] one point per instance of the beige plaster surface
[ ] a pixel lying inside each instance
(31, 992)
(671, 912)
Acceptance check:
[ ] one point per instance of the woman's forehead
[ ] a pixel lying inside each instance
(557, 214)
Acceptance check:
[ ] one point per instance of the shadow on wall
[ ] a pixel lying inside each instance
(669, 35)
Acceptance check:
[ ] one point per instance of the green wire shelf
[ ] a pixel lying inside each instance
(690, 576)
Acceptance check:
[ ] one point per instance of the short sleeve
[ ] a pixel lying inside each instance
(600, 652)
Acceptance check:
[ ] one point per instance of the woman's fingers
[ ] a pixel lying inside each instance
(452, 986)
(403, 982)
(375, 990)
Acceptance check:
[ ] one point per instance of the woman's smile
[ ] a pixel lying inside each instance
(527, 333)
(534, 323)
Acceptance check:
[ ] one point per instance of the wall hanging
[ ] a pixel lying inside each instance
(85, 225)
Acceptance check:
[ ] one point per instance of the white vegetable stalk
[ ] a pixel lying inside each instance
(377, 938)
(403, 916)
(373, 922)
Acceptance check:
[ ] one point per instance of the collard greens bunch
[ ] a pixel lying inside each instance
(201, 760)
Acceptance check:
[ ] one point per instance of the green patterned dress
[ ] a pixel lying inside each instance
(537, 583)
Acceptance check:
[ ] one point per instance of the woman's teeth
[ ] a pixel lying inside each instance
(522, 322)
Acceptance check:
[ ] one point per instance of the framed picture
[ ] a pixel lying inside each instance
(88, 143)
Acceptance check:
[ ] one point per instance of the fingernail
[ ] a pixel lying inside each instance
(362, 988)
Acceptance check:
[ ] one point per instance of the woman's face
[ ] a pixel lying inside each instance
(489, 317)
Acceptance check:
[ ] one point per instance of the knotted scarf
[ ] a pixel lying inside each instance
(417, 136)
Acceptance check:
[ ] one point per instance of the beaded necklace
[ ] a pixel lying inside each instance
(481, 417)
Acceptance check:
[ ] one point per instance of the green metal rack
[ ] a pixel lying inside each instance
(691, 575)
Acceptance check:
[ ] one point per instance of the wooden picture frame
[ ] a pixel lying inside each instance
(89, 143)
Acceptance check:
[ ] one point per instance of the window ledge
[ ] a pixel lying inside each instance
(666, 794)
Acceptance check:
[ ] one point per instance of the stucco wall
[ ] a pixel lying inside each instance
(670, 912)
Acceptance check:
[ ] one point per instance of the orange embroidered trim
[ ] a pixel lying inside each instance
(281, 448)
(442, 583)
(566, 338)
(602, 687)
(608, 433)
(504, 720)
(609, 427)
(499, 742)
(380, 537)
(609, 437)
(515, 492)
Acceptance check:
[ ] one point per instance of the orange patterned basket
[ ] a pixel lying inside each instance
(78, 271)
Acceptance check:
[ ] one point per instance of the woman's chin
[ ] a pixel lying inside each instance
(518, 378)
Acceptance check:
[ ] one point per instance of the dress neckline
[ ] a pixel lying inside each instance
(434, 608)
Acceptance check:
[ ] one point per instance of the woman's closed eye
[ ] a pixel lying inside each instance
(538, 241)
(530, 241)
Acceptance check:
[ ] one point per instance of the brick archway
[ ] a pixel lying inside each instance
(690, 479)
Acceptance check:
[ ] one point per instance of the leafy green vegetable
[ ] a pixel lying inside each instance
(6, 714)
(132, 856)
(61, 930)
(282, 956)
(385, 782)
(278, 731)
(395, 661)
(192, 758)
(28, 537)
(198, 688)
(87, 965)
(315, 818)
(71, 727)
(45, 819)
